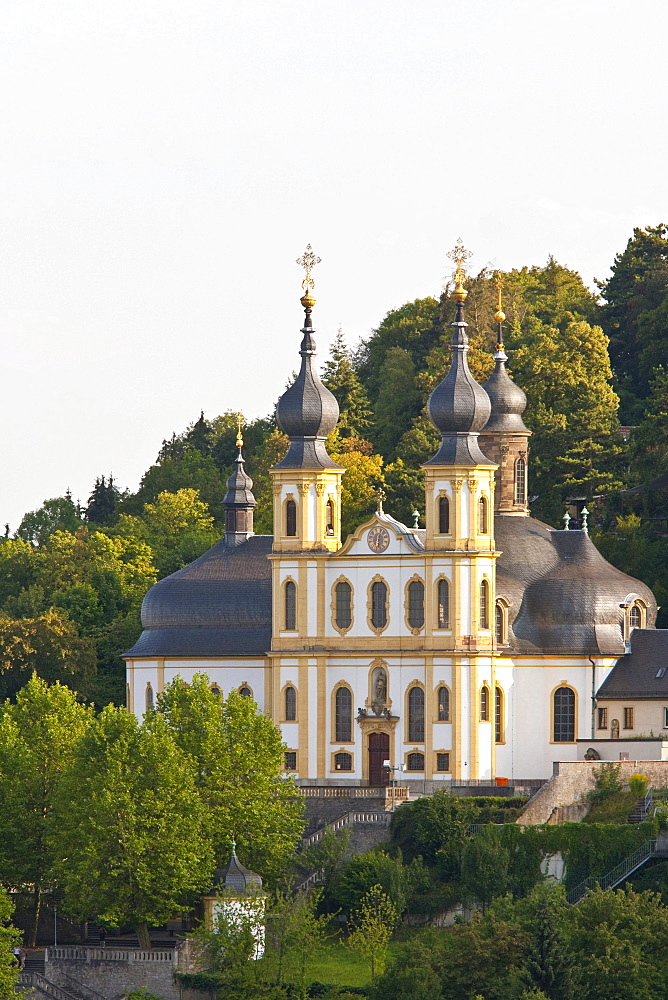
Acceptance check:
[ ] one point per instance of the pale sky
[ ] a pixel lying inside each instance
(163, 164)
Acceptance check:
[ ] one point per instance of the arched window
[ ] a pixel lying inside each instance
(484, 604)
(343, 762)
(416, 715)
(290, 704)
(379, 604)
(215, 690)
(635, 616)
(443, 516)
(443, 704)
(443, 604)
(498, 623)
(290, 518)
(482, 516)
(520, 481)
(245, 691)
(149, 698)
(343, 704)
(329, 518)
(498, 715)
(343, 615)
(416, 604)
(564, 715)
(484, 703)
(127, 697)
(415, 762)
(290, 606)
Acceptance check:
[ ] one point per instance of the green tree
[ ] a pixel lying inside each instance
(178, 527)
(485, 868)
(356, 879)
(397, 403)
(238, 758)
(48, 645)
(343, 381)
(372, 927)
(359, 486)
(549, 966)
(414, 327)
(59, 514)
(9, 939)
(37, 735)
(129, 825)
(296, 932)
(435, 828)
(102, 502)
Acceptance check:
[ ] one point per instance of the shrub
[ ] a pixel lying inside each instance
(639, 783)
(607, 782)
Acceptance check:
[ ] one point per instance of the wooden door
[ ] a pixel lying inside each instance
(379, 750)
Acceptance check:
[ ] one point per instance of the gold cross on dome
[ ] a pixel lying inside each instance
(240, 440)
(459, 254)
(308, 261)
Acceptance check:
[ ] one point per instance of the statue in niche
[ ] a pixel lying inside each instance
(379, 691)
(614, 729)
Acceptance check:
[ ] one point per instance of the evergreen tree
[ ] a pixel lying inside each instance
(549, 965)
(200, 435)
(343, 381)
(398, 401)
(102, 502)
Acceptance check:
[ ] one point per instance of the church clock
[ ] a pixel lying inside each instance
(378, 538)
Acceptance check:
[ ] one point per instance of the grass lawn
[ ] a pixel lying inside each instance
(338, 964)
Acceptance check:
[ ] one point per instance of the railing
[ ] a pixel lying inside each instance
(85, 991)
(647, 803)
(84, 953)
(348, 820)
(353, 792)
(616, 874)
(37, 981)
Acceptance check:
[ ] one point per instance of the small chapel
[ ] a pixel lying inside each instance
(471, 648)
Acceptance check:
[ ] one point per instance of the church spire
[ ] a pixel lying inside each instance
(307, 411)
(239, 500)
(458, 407)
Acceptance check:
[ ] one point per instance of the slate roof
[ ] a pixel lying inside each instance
(218, 605)
(234, 877)
(635, 674)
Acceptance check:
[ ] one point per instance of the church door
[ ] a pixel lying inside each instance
(379, 750)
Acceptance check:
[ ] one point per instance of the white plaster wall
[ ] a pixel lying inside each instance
(312, 598)
(313, 717)
(464, 598)
(227, 674)
(485, 738)
(146, 671)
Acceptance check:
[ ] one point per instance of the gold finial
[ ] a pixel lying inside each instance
(380, 497)
(240, 439)
(308, 260)
(499, 315)
(459, 254)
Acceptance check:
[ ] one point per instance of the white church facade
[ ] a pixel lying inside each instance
(470, 648)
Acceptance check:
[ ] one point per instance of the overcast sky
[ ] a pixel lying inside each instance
(163, 163)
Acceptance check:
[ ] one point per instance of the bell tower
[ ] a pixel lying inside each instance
(504, 437)
(307, 482)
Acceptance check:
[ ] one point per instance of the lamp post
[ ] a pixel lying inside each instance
(392, 768)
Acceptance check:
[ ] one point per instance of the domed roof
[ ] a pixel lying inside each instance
(565, 597)
(307, 412)
(233, 877)
(220, 603)
(508, 401)
(458, 407)
(239, 487)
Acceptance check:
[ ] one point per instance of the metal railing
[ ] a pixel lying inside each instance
(616, 874)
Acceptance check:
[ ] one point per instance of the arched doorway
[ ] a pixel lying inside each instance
(379, 750)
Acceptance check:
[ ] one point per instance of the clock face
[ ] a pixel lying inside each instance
(378, 538)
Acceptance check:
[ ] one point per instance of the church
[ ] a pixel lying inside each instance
(468, 649)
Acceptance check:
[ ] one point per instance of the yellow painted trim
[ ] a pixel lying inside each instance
(502, 713)
(291, 770)
(414, 630)
(409, 687)
(435, 719)
(422, 753)
(332, 760)
(435, 756)
(436, 626)
(342, 579)
(302, 712)
(281, 702)
(369, 605)
(575, 713)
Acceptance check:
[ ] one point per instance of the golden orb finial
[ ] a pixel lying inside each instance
(240, 439)
(459, 254)
(308, 260)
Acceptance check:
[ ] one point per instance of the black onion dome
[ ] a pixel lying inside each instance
(307, 412)
(239, 487)
(507, 400)
(574, 606)
(233, 877)
(458, 407)
(218, 605)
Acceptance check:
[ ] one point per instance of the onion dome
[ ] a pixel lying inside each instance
(307, 412)
(508, 401)
(234, 878)
(239, 500)
(459, 408)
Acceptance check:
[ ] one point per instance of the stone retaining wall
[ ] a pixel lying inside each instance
(112, 972)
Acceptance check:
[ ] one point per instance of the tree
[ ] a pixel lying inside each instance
(199, 435)
(414, 327)
(9, 939)
(549, 966)
(178, 527)
(102, 502)
(37, 736)
(397, 403)
(238, 758)
(435, 828)
(296, 932)
(48, 645)
(372, 868)
(59, 514)
(129, 825)
(343, 381)
(372, 927)
(359, 486)
(485, 868)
